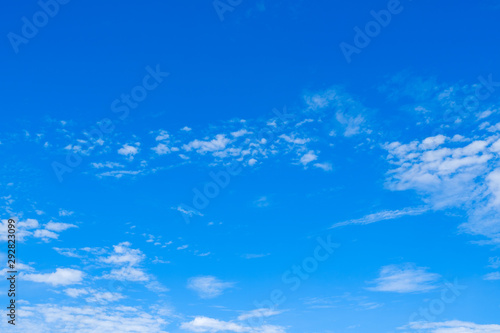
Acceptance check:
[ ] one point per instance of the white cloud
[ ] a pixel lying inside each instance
(494, 262)
(61, 277)
(104, 297)
(254, 256)
(127, 273)
(208, 286)
(187, 211)
(406, 278)
(352, 125)
(205, 324)
(324, 166)
(97, 296)
(126, 261)
(492, 276)
(163, 136)
(252, 161)
(28, 224)
(161, 149)
(123, 254)
(258, 313)
(186, 129)
(383, 216)
(219, 143)
(182, 247)
(20, 267)
(67, 252)
(107, 165)
(75, 293)
(308, 157)
(45, 234)
(454, 326)
(296, 141)
(240, 132)
(63, 212)
(58, 227)
(54, 318)
(128, 150)
(451, 174)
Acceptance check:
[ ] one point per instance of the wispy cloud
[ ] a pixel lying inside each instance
(383, 216)
(208, 286)
(406, 278)
(454, 326)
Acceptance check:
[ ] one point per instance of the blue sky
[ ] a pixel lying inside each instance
(252, 166)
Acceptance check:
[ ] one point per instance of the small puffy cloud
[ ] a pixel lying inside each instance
(182, 247)
(161, 149)
(406, 278)
(63, 212)
(219, 143)
(61, 277)
(308, 157)
(58, 227)
(186, 129)
(126, 261)
(127, 273)
(163, 136)
(208, 286)
(128, 150)
(123, 254)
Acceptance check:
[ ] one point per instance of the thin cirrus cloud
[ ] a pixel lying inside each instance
(208, 286)
(405, 278)
(383, 216)
(206, 324)
(454, 326)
